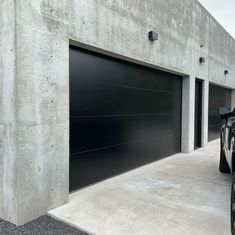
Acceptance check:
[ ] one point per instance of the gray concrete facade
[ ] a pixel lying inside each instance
(233, 99)
(34, 130)
(34, 80)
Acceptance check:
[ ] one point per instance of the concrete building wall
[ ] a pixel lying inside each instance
(42, 106)
(34, 84)
(35, 132)
(8, 146)
(233, 99)
(205, 113)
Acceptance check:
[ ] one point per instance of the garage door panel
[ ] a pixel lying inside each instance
(98, 132)
(219, 102)
(218, 97)
(214, 119)
(101, 70)
(115, 100)
(214, 132)
(94, 166)
(122, 116)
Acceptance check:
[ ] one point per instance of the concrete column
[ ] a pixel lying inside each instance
(8, 147)
(205, 107)
(36, 168)
(42, 106)
(188, 108)
(233, 99)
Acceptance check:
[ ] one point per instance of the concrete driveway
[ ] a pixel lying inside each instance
(182, 195)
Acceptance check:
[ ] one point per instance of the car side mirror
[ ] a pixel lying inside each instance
(223, 111)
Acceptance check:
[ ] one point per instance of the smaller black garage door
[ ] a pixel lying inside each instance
(218, 97)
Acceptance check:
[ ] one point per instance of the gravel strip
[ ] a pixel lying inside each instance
(44, 225)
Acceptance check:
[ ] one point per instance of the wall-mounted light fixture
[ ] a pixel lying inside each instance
(226, 72)
(153, 36)
(202, 46)
(202, 60)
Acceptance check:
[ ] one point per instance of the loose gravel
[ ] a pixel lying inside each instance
(44, 225)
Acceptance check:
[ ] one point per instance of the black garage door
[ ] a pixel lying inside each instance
(218, 97)
(122, 116)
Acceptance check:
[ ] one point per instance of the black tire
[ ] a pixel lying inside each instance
(232, 206)
(223, 165)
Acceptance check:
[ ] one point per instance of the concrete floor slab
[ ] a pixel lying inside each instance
(182, 195)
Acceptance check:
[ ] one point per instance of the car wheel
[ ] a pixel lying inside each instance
(233, 206)
(223, 165)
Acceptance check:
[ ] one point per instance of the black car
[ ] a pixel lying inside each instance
(227, 154)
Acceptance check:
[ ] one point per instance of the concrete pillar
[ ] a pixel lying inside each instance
(233, 99)
(188, 107)
(8, 146)
(205, 111)
(36, 168)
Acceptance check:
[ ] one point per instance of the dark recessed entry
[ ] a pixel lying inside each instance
(198, 114)
(122, 116)
(218, 97)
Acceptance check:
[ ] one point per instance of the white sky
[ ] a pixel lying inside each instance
(223, 11)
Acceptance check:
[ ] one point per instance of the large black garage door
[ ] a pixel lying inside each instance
(122, 116)
(218, 97)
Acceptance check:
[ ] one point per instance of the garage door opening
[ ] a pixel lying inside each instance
(198, 115)
(218, 97)
(122, 116)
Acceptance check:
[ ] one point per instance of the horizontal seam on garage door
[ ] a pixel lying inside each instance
(136, 88)
(125, 115)
(106, 147)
